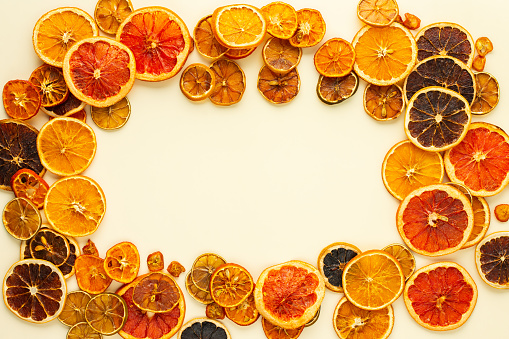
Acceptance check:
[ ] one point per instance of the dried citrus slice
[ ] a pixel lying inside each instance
(490, 259)
(157, 292)
(27, 184)
(384, 55)
(112, 117)
(310, 28)
(333, 90)
(214, 311)
(175, 268)
(332, 261)
(435, 220)
(373, 280)
(404, 257)
(66, 146)
(277, 332)
(83, 331)
(445, 38)
(239, 53)
(75, 206)
(406, 167)
(482, 220)
(280, 56)
(205, 40)
(281, 19)
(34, 290)
(244, 313)
(203, 328)
(67, 267)
(440, 296)
(278, 88)
(90, 274)
(350, 321)
(90, 248)
(50, 82)
(502, 212)
(239, 26)
(50, 246)
(106, 313)
(74, 308)
(437, 119)
(383, 103)
(481, 161)
(58, 30)
(109, 14)
(377, 12)
(230, 82)
(122, 262)
(335, 58)
(289, 294)
(197, 82)
(99, 71)
(159, 40)
(198, 294)
(21, 218)
(21, 99)
(230, 285)
(68, 107)
(155, 261)
(483, 46)
(486, 95)
(203, 267)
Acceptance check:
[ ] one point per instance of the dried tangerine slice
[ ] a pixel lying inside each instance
(310, 28)
(106, 313)
(157, 292)
(50, 246)
(280, 56)
(383, 103)
(122, 262)
(277, 332)
(27, 184)
(289, 294)
(197, 82)
(112, 117)
(109, 14)
(83, 331)
(281, 19)
(74, 308)
(160, 42)
(203, 328)
(230, 82)
(205, 40)
(244, 313)
(377, 12)
(21, 99)
(440, 296)
(90, 274)
(335, 58)
(71, 105)
(58, 30)
(278, 88)
(230, 285)
(332, 261)
(333, 90)
(21, 218)
(490, 259)
(487, 93)
(482, 220)
(403, 256)
(481, 161)
(50, 82)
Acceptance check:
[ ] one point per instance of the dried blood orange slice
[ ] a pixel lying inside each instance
(80, 115)
(99, 71)
(68, 107)
(332, 261)
(289, 294)
(157, 292)
(230, 285)
(281, 19)
(280, 56)
(440, 296)
(481, 161)
(435, 220)
(109, 14)
(482, 220)
(487, 93)
(350, 321)
(403, 256)
(58, 30)
(335, 58)
(83, 330)
(245, 313)
(112, 117)
(34, 290)
(50, 82)
(383, 103)
(197, 82)
(490, 259)
(159, 40)
(21, 218)
(277, 332)
(230, 82)
(106, 313)
(122, 262)
(50, 246)
(333, 90)
(445, 38)
(377, 12)
(310, 28)
(74, 308)
(21, 99)
(278, 88)
(90, 274)
(203, 328)
(205, 40)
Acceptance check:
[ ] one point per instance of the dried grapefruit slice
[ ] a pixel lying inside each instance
(112, 117)
(203, 328)
(487, 93)
(332, 261)
(280, 56)
(335, 58)
(310, 28)
(205, 40)
(289, 294)
(490, 259)
(482, 220)
(21, 99)
(50, 82)
(277, 332)
(244, 313)
(21, 218)
(281, 19)
(197, 82)
(106, 313)
(230, 285)
(278, 88)
(440, 296)
(383, 103)
(157, 292)
(109, 14)
(403, 256)
(377, 12)
(230, 82)
(90, 274)
(333, 90)
(74, 308)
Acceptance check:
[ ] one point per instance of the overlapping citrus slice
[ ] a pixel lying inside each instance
(90, 274)
(205, 40)
(377, 12)
(230, 285)
(333, 90)
(310, 28)
(21, 99)
(112, 117)
(67, 267)
(50, 246)
(490, 259)
(278, 88)
(156, 292)
(281, 19)
(21, 218)
(203, 328)
(70, 106)
(244, 313)
(122, 262)
(50, 82)
(198, 294)
(197, 82)
(239, 53)
(74, 308)
(335, 58)
(83, 330)
(109, 14)
(404, 256)
(230, 82)
(106, 313)
(482, 218)
(332, 261)
(487, 93)
(272, 331)
(280, 56)
(383, 103)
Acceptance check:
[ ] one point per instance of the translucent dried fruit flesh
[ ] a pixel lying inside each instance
(383, 102)
(276, 332)
(335, 58)
(21, 218)
(278, 88)
(280, 56)
(502, 212)
(68, 107)
(310, 28)
(109, 14)
(155, 261)
(90, 248)
(122, 262)
(74, 308)
(175, 269)
(215, 311)
(281, 19)
(482, 220)
(483, 46)
(245, 313)
(487, 93)
(198, 294)
(411, 21)
(83, 331)
(21, 99)
(112, 117)
(377, 12)
(404, 257)
(51, 246)
(491, 261)
(230, 82)
(49, 81)
(479, 63)
(332, 261)
(206, 43)
(106, 313)
(230, 284)
(90, 274)
(200, 328)
(156, 292)
(197, 82)
(333, 90)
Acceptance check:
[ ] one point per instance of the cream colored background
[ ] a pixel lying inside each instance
(256, 183)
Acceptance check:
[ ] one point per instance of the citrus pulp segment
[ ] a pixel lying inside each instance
(332, 261)
(272, 331)
(230, 285)
(404, 256)
(197, 82)
(334, 58)
(109, 14)
(383, 103)
(157, 292)
(487, 93)
(122, 262)
(482, 218)
(281, 19)
(90, 274)
(310, 28)
(21, 99)
(74, 308)
(50, 82)
(106, 313)
(21, 218)
(333, 90)
(230, 82)
(203, 328)
(377, 12)
(205, 40)
(112, 117)
(278, 88)
(490, 259)
(280, 56)
(83, 330)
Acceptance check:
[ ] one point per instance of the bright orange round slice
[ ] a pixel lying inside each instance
(21, 99)
(281, 19)
(106, 313)
(230, 82)
(487, 93)
(122, 262)
(384, 103)
(310, 28)
(90, 274)
(335, 58)
(482, 219)
(197, 82)
(205, 40)
(157, 292)
(230, 285)
(109, 14)
(490, 259)
(50, 82)
(377, 12)
(21, 218)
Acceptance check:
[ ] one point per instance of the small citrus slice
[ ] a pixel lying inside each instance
(230, 285)
(351, 322)
(230, 82)
(333, 90)
(90, 248)
(58, 30)
(197, 82)
(406, 167)
(109, 14)
(278, 88)
(310, 28)
(122, 262)
(377, 12)
(335, 58)
(111, 117)
(440, 296)
(288, 295)
(490, 259)
(159, 40)
(481, 161)
(21, 99)
(83, 330)
(332, 261)
(277, 332)
(404, 257)
(383, 103)
(50, 82)
(67, 108)
(373, 280)
(203, 328)
(34, 290)
(21, 218)
(205, 40)
(482, 220)
(198, 294)
(281, 19)
(280, 56)
(106, 313)
(90, 274)
(244, 313)
(50, 246)
(74, 308)
(487, 93)
(483, 46)
(157, 292)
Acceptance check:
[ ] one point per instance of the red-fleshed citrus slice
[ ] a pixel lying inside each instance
(289, 294)
(230, 285)
(159, 40)
(481, 161)
(332, 261)
(27, 184)
(122, 262)
(90, 274)
(203, 328)
(245, 313)
(70, 106)
(482, 218)
(491, 259)
(440, 296)
(272, 331)
(157, 292)
(21, 99)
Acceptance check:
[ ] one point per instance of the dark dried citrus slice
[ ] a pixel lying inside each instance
(491, 259)
(487, 93)
(21, 218)
(383, 103)
(377, 12)
(440, 296)
(21, 99)
(310, 28)
(272, 331)
(230, 285)
(83, 331)
(333, 90)
(68, 107)
(74, 308)
(437, 119)
(203, 328)
(109, 14)
(482, 220)
(106, 313)
(90, 274)
(157, 293)
(280, 56)
(281, 19)
(198, 294)
(403, 256)
(34, 290)
(197, 82)
(332, 261)
(49, 81)
(278, 88)
(206, 43)
(241, 53)
(67, 267)
(230, 82)
(122, 262)
(50, 245)
(245, 313)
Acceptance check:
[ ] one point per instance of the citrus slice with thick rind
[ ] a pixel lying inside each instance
(333, 90)
(203, 328)
(272, 331)
(487, 93)
(109, 14)
(230, 82)
(122, 262)
(244, 313)
(482, 219)
(351, 322)
(205, 40)
(383, 103)
(334, 58)
(112, 117)
(106, 313)
(289, 294)
(74, 308)
(34, 290)
(83, 330)
(278, 88)
(157, 292)
(21, 218)
(197, 82)
(50, 246)
(407, 167)
(281, 19)
(230, 285)
(280, 56)
(67, 108)
(90, 274)
(21, 99)
(404, 256)
(377, 12)
(440, 296)
(310, 28)
(58, 30)
(481, 161)
(490, 259)
(373, 280)
(332, 261)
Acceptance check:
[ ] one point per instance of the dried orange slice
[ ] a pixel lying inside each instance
(437, 119)
(239, 26)
(83, 331)
(278, 88)
(50, 82)
(332, 261)
(281, 19)
(490, 259)
(157, 292)
(74, 308)
(373, 280)
(197, 82)
(203, 267)
(350, 321)
(122, 262)
(99, 71)
(230, 285)
(230, 82)
(106, 313)
(406, 167)
(383, 103)
(112, 117)
(198, 294)
(27, 184)
(335, 58)
(482, 220)
(404, 257)
(75, 206)
(239, 53)
(21, 99)
(481, 161)
(58, 30)
(435, 220)
(384, 55)
(244, 313)
(333, 90)
(90, 274)
(203, 328)
(50, 246)
(445, 38)
(109, 14)
(280, 56)
(71, 105)
(289, 294)
(205, 40)
(377, 12)
(21, 218)
(486, 95)
(440, 296)
(34, 290)
(66, 146)
(310, 28)
(272, 331)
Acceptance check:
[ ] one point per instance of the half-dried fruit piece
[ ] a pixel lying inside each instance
(377, 12)
(109, 14)
(310, 28)
(502, 212)
(487, 93)
(175, 268)
(332, 261)
(203, 328)
(50, 246)
(482, 220)
(50, 82)
(479, 63)
(411, 21)
(21, 99)
(90, 274)
(483, 46)
(90, 248)
(403, 256)
(490, 259)
(122, 262)
(280, 56)
(74, 308)
(333, 90)
(230, 285)
(215, 311)
(111, 117)
(335, 58)
(83, 331)
(155, 261)
(278, 88)
(230, 82)
(21, 218)
(106, 313)
(383, 103)
(281, 19)
(205, 40)
(156, 292)
(70, 106)
(277, 332)
(244, 313)
(440, 296)
(197, 82)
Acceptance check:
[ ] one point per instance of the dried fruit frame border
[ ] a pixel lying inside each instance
(228, 168)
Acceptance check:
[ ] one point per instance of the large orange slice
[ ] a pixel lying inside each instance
(230, 285)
